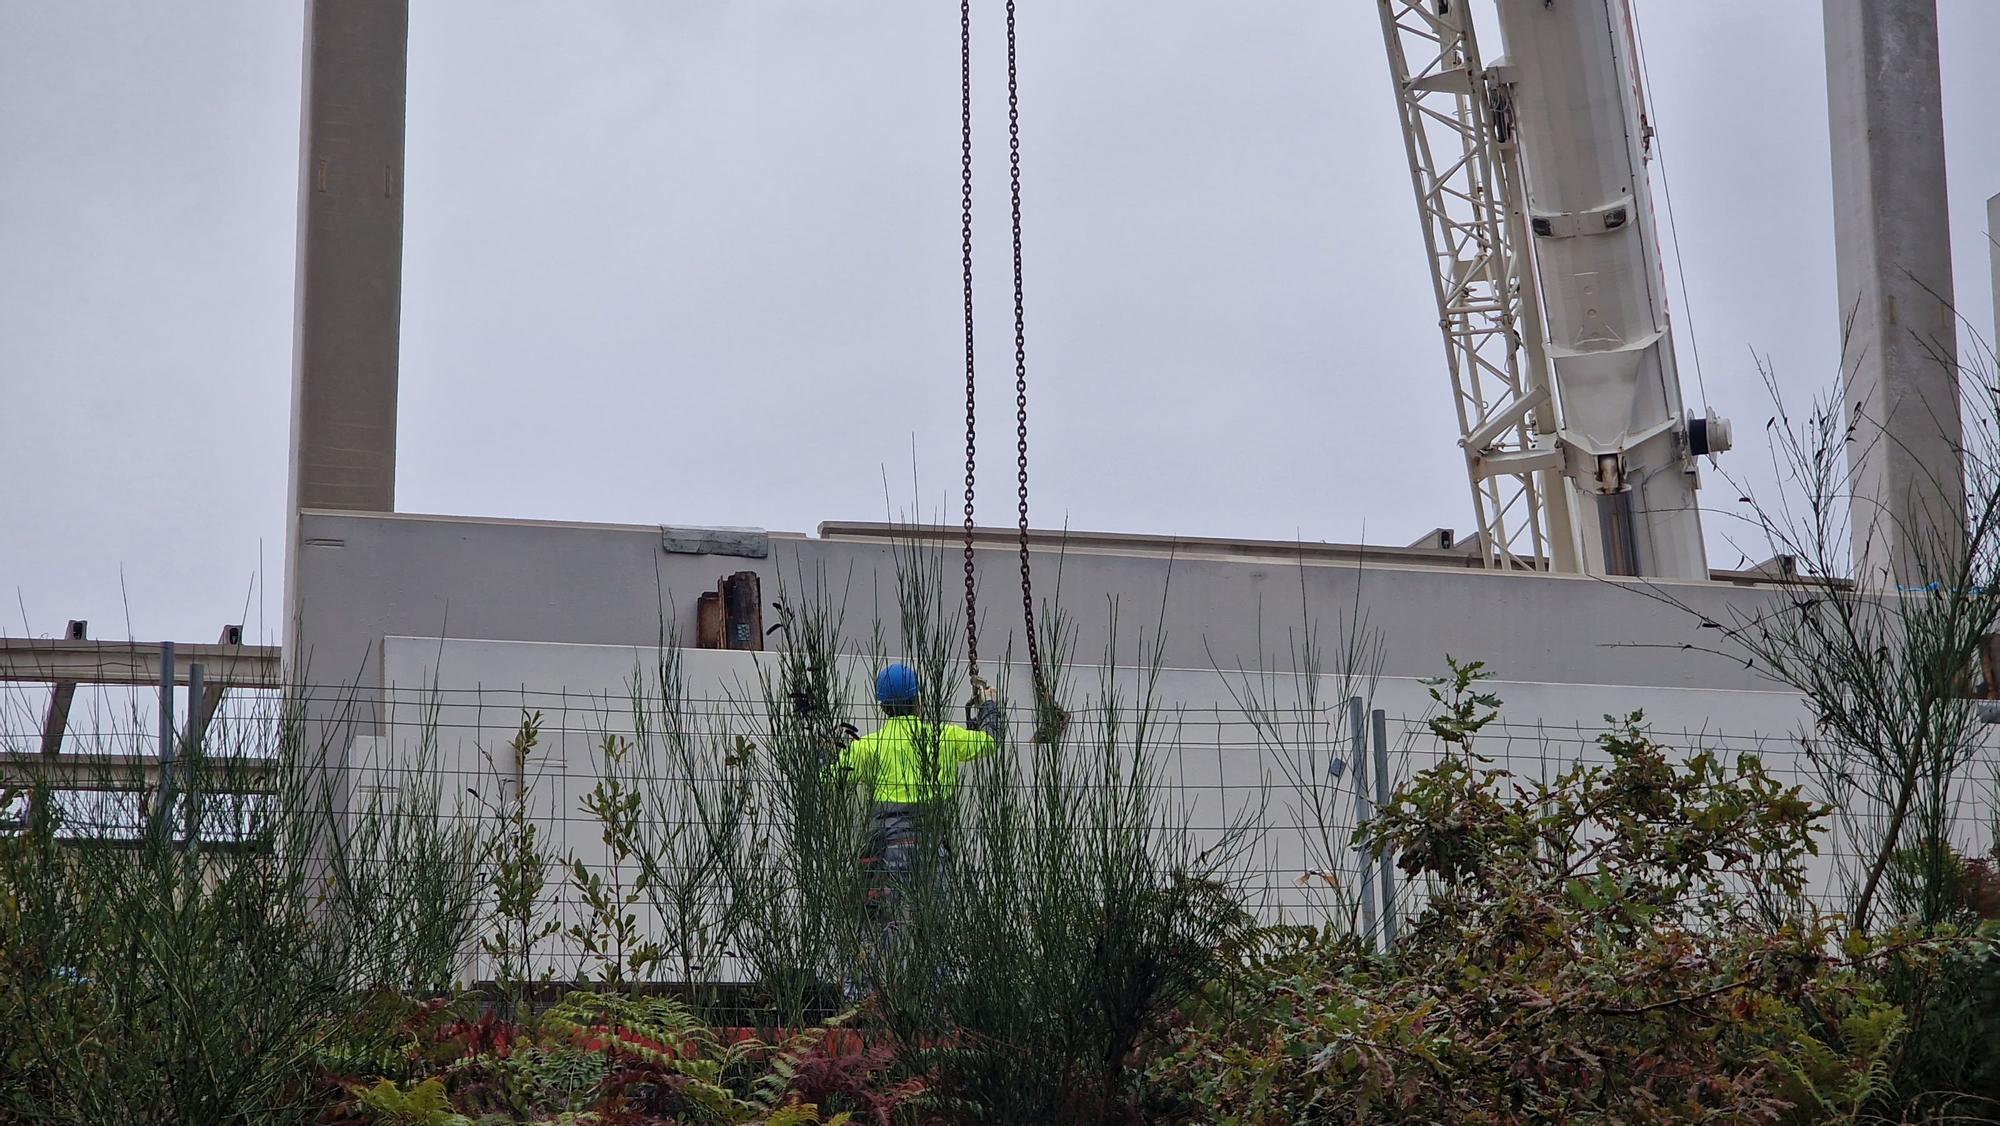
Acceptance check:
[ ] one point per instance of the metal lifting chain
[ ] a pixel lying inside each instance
(1020, 342)
(971, 384)
(1021, 363)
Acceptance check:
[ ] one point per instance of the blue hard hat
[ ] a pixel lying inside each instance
(896, 684)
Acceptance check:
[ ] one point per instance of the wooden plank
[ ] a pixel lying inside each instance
(743, 611)
(709, 628)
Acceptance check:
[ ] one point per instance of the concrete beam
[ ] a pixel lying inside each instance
(1463, 553)
(201, 713)
(128, 773)
(56, 720)
(135, 662)
(1893, 252)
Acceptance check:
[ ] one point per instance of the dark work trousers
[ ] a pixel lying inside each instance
(889, 862)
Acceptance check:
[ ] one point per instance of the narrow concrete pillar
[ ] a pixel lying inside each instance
(1993, 253)
(349, 297)
(1893, 251)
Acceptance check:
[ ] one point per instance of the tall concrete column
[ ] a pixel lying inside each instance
(1892, 242)
(1993, 253)
(348, 314)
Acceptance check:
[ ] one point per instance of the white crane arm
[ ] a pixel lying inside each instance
(1531, 182)
(1625, 437)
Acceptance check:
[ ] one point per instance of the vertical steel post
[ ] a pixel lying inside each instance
(163, 800)
(1358, 737)
(192, 735)
(191, 824)
(1387, 869)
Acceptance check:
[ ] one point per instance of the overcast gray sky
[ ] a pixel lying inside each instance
(628, 221)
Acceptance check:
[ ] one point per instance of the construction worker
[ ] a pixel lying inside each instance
(910, 765)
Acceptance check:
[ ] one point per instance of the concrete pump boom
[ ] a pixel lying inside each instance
(1629, 448)
(1531, 179)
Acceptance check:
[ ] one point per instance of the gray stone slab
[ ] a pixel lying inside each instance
(748, 543)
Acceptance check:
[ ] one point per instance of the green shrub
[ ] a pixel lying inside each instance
(1948, 982)
(1589, 952)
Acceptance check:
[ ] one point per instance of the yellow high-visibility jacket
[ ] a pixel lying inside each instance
(893, 760)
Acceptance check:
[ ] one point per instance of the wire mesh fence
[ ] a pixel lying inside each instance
(667, 807)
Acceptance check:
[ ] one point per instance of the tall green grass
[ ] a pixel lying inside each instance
(191, 977)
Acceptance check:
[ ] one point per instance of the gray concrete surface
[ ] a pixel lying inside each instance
(367, 576)
(446, 629)
(348, 316)
(455, 704)
(1993, 252)
(1892, 244)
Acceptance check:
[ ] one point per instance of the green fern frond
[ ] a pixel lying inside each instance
(794, 1114)
(426, 1104)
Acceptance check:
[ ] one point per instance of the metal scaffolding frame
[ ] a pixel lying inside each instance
(207, 671)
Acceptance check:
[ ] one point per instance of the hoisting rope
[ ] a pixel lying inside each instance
(1044, 709)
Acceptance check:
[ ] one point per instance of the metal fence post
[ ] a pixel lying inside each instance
(163, 800)
(191, 827)
(1386, 864)
(1357, 729)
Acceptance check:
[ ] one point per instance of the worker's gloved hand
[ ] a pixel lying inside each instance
(832, 742)
(985, 716)
(982, 712)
